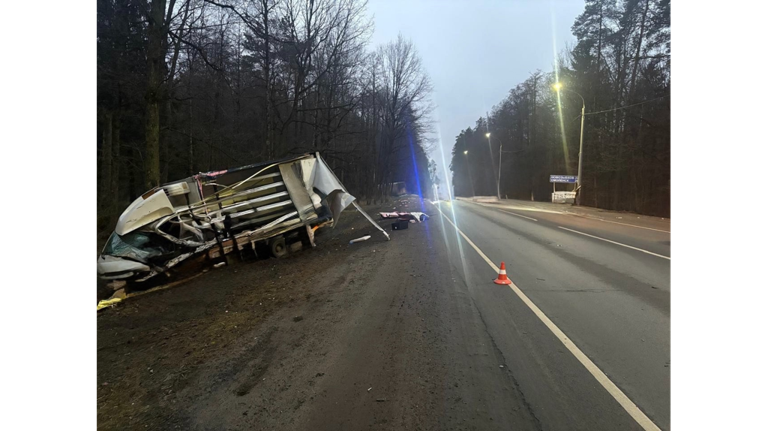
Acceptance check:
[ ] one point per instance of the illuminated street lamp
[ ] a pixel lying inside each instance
(498, 177)
(558, 86)
(469, 173)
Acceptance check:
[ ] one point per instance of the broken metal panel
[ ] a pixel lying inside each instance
(282, 224)
(308, 173)
(242, 205)
(376, 225)
(182, 239)
(250, 203)
(182, 192)
(273, 206)
(293, 178)
(222, 191)
(311, 236)
(228, 198)
(119, 268)
(251, 168)
(176, 189)
(143, 211)
(250, 222)
(326, 182)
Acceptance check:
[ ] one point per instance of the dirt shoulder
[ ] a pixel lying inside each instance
(374, 335)
(160, 352)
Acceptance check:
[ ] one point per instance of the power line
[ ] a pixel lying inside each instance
(628, 106)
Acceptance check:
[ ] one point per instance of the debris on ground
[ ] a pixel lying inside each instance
(107, 303)
(362, 238)
(259, 350)
(400, 225)
(116, 285)
(416, 216)
(403, 218)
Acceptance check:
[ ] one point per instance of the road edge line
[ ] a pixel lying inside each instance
(519, 215)
(617, 243)
(630, 407)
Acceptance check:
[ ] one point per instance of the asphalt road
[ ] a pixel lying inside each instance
(611, 300)
(405, 334)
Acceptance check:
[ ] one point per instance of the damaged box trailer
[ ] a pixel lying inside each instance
(255, 207)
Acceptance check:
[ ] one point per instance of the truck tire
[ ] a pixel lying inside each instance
(277, 247)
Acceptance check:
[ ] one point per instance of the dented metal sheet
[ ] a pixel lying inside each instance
(327, 182)
(143, 211)
(224, 211)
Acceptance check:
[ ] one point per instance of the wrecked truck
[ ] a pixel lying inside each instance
(264, 208)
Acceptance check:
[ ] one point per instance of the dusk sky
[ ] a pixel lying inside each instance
(475, 51)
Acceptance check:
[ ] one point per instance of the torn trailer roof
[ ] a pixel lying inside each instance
(252, 207)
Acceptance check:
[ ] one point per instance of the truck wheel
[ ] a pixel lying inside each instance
(277, 247)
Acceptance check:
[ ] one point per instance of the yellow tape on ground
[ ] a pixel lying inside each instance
(107, 303)
(112, 301)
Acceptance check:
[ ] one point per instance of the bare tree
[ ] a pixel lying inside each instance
(404, 92)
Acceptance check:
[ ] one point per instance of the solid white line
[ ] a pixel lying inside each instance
(623, 224)
(509, 212)
(604, 381)
(570, 213)
(537, 210)
(617, 243)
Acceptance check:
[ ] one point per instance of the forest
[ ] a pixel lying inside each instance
(187, 86)
(619, 70)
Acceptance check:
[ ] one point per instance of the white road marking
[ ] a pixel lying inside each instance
(510, 212)
(617, 243)
(598, 374)
(570, 213)
(538, 210)
(623, 224)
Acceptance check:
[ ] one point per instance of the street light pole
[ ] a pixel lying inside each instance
(490, 149)
(581, 152)
(469, 173)
(558, 86)
(498, 177)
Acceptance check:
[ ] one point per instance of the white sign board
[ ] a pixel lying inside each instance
(563, 197)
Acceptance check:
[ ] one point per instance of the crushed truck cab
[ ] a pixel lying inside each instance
(216, 213)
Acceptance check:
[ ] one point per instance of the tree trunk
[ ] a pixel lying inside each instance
(633, 80)
(191, 144)
(155, 59)
(165, 142)
(116, 161)
(268, 80)
(106, 179)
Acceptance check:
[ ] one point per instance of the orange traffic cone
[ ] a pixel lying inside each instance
(502, 279)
